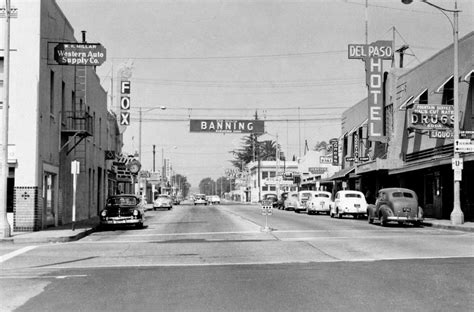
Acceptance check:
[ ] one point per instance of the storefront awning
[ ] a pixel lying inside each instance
(342, 173)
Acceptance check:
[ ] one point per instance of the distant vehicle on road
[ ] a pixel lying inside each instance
(320, 201)
(281, 201)
(200, 199)
(396, 204)
(303, 197)
(349, 203)
(214, 199)
(273, 198)
(124, 209)
(291, 202)
(163, 201)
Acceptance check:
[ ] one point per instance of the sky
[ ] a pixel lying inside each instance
(285, 61)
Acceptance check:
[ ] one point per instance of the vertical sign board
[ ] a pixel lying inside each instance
(373, 54)
(356, 145)
(75, 168)
(125, 103)
(335, 151)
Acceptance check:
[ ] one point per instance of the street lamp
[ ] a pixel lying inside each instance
(140, 129)
(457, 216)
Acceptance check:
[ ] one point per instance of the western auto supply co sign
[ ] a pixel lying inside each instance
(373, 54)
(85, 54)
(227, 126)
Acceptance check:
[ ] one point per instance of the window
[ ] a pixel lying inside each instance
(448, 92)
(63, 99)
(353, 195)
(272, 174)
(321, 195)
(265, 188)
(272, 188)
(264, 174)
(51, 92)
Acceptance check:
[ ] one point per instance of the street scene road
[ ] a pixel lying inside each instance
(219, 258)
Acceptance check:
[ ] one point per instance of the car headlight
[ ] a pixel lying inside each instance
(136, 213)
(104, 213)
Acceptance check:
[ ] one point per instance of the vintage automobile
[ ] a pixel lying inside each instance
(163, 201)
(320, 201)
(303, 197)
(395, 204)
(291, 201)
(200, 199)
(349, 203)
(273, 198)
(281, 201)
(214, 200)
(124, 209)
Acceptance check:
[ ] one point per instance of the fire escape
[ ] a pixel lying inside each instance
(77, 124)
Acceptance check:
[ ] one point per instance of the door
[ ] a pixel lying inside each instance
(49, 197)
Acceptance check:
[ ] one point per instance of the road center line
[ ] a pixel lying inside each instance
(16, 253)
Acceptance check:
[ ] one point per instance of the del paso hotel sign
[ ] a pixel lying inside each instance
(227, 126)
(87, 54)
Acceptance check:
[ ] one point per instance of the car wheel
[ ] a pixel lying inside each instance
(331, 214)
(371, 220)
(139, 225)
(339, 214)
(383, 220)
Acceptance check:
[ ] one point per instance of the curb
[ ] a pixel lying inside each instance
(449, 227)
(50, 239)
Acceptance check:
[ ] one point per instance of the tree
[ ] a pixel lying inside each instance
(207, 186)
(252, 149)
(181, 182)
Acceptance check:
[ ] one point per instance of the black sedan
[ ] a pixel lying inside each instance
(123, 210)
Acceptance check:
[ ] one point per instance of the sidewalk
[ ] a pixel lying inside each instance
(59, 234)
(64, 233)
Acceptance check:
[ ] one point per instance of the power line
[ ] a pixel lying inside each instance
(227, 57)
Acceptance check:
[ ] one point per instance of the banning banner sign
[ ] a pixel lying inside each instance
(87, 54)
(227, 126)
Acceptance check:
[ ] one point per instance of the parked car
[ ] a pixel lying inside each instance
(303, 197)
(291, 201)
(281, 201)
(200, 199)
(349, 203)
(273, 198)
(320, 201)
(396, 204)
(163, 201)
(214, 199)
(124, 209)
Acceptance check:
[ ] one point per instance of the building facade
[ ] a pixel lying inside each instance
(419, 158)
(57, 114)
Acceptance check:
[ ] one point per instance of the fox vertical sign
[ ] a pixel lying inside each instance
(125, 103)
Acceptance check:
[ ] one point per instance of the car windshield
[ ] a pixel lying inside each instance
(125, 201)
(353, 195)
(402, 194)
(163, 197)
(294, 195)
(321, 195)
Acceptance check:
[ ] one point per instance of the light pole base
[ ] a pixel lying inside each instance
(266, 229)
(457, 217)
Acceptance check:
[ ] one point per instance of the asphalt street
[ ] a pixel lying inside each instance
(218, 258)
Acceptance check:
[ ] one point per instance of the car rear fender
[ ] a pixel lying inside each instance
(385, 211)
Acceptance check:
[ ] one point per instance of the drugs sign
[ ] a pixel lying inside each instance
(428, 116)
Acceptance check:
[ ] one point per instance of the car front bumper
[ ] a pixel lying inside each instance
(120, 220)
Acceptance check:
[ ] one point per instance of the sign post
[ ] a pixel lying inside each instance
(75, 165)
(267, 210)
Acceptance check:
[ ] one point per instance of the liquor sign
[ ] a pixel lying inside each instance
(373, 55)
(431, 116)
(85, 54)
(227, 126)
(335, 151)
(442, 134)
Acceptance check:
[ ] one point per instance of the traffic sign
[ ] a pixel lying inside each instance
(463, 146)
(457, 163)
